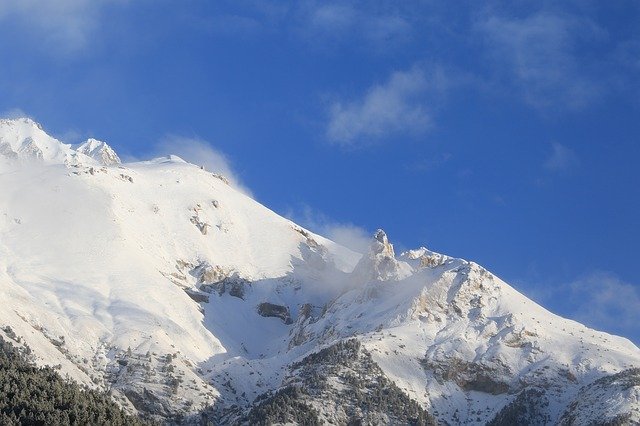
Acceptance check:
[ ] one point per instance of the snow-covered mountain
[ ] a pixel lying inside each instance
(24, 140)
(188, 300)
(99, 151)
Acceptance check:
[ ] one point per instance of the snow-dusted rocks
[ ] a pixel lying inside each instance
(25, 140)
(107, 272)
(99, 151)
(380, 263)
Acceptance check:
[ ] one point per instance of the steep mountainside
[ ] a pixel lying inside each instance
(188, 300)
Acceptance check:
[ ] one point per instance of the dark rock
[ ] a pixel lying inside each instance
(198, 296)
(267, 309)
(530, 407)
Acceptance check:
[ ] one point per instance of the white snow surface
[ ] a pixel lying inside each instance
(95, 261)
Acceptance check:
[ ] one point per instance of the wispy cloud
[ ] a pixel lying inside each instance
(561, 159)
(604, 301)
(201, 153)
(349, 21)
(320, 23)
(397, 106)
(598, 299)
(538, 54)
(346, 234)
(61, 26)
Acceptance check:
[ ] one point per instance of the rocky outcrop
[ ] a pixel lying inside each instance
(197, 296)
(380, 263)
(267, 309)
(470, 376)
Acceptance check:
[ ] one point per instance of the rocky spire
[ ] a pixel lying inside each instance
(380, 263)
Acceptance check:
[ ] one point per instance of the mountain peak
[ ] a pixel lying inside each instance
(380, 263)
(20, 120)
(99, 151)
(380, 244)
(25, 140)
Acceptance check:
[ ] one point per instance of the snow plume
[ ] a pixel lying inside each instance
(201, 153)
(346, 234)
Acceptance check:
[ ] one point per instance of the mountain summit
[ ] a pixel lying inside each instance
(99, 151)
(190, 302)
(23, 139)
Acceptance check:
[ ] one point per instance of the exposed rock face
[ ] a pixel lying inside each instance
(340, 384)
(424, 258)
(528, 408)
(492, 379)
(380, 263)
(233, 285)
(267, 309)
(197, 296)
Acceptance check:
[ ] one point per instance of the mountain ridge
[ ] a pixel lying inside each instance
(184, 298)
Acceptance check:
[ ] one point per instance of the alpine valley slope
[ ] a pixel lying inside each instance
(189, 301)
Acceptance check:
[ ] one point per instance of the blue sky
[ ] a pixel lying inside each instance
(502, 132)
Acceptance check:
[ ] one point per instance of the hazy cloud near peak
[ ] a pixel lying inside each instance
(352, 236)
(201, 153)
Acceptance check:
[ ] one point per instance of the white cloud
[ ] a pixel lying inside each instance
(604, 301)
(539, 55)
(598, 299)
(348, 235)
(321, 23)
(397, 106)
(62, 26)
(561, 159)
(201, 153)
(346, 21)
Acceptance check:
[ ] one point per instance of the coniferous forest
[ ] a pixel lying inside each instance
(31, 395)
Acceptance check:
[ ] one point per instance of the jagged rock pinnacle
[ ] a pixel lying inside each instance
(381, 245)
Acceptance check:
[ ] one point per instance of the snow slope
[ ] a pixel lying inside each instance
(159, 281)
